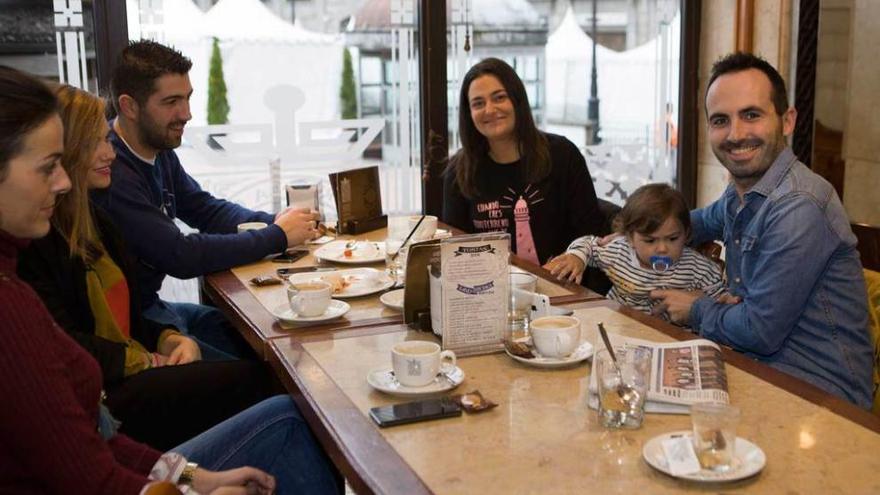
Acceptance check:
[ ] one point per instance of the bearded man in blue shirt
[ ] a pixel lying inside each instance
(792, 262)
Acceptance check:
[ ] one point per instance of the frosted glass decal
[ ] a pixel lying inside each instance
(70, 43)
(152, 19)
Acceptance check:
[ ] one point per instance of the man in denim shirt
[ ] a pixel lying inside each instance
(792, 262)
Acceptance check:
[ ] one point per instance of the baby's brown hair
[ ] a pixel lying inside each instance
(648, 207)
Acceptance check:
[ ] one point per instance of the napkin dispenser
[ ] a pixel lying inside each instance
(436, 289)
(358, 200)
(417, 308)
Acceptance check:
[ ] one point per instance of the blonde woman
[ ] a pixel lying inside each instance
(155, 382)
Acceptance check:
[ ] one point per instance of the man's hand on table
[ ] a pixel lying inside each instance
(299, 224)
(677, 303)
(566, 267)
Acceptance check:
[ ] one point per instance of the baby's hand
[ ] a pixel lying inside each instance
(566, 267)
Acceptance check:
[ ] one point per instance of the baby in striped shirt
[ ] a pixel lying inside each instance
(651, 254)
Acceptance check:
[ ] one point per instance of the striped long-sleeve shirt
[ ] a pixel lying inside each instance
(633, 283)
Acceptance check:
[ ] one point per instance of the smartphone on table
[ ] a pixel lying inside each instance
(291, 255)
(412, 412)
(303, 269)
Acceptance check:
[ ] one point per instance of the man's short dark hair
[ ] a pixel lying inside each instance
(139, 65)
(740, 61)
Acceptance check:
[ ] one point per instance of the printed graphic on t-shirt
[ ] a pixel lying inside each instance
(496, 215)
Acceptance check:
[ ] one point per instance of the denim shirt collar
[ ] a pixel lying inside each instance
(774, 175)
(768, 182)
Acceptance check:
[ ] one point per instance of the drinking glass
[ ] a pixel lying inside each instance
(522, 285)
(395, 250)
(623, 388)
(714, 434)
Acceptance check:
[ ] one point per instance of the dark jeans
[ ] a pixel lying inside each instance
(217, 338)
(166, 406)
(274, 437)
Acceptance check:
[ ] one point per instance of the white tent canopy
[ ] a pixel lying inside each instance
(250, 20)
(259, 51)
(627, 81)
(182, 20)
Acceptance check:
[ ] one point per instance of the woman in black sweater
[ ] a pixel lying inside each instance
(510, 177)
(156, 383)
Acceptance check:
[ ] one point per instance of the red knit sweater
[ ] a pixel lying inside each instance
(49, 388)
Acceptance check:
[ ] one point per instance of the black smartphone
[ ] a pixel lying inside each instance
(290, 255)
(303, 269)
(412, 412)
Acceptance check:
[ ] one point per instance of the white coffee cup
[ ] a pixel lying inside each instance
(556, 336)
(242, 227)
(427, 228)
(417, 363)
(309, 298)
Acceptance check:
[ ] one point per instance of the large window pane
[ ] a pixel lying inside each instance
(632, 140)
(284, 67)
(313, 88)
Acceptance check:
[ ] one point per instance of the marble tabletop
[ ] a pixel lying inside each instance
(542, 438)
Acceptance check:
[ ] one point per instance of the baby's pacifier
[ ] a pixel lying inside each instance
(660, 263)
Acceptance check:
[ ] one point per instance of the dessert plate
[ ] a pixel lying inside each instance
(393, 299)
(357, 281)
(383, 380)
(748, 460)
(352, 252)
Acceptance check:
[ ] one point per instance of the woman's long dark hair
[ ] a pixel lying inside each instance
(533, 150)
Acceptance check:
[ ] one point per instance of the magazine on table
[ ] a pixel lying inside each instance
(682, 373)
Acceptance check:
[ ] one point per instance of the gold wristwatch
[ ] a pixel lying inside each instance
(186, 477)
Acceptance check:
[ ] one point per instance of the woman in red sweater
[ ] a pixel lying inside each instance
(55, 435)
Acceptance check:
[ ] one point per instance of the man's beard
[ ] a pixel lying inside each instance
(155, 136)
(765, 159)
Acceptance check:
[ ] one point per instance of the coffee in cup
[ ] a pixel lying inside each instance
(309, 298)
(417, 363)
(242, 227)
(556, 336)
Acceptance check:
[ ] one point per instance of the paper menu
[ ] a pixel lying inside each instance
(475, 292)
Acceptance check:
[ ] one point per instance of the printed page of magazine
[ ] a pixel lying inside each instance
(682, 373)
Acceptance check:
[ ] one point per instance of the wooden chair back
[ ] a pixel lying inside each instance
(869, 245)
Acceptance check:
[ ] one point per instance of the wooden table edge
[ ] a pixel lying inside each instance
(360, 440)
(249, 316)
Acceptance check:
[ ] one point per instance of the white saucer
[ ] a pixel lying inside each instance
(583, 351)
(393, 299)
(382, 379)
(335, 310)
(748, 460)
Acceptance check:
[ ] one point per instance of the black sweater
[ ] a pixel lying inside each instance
(60, 281)
(561, 207)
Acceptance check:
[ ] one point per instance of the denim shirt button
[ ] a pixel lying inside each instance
(736, 280)
(736, 241)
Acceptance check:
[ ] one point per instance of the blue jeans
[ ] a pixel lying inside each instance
(271, 436)
(217, 338)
